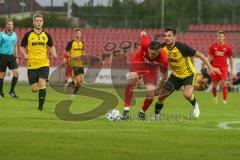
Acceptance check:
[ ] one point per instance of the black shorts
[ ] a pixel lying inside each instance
(7, 61)
(78, 70)
(35, 74)
(175, 83)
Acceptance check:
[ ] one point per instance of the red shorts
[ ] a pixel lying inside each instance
(220, 77)
(148, 72)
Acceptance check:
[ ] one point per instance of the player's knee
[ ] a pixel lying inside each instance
(16, 73)
(78, 80)
(161, 98)
(150, 90)
(187, 95)
(2, 75)
(35, 88)
(150, 99)
(41, 85)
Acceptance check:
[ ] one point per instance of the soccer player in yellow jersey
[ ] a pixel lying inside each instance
(75, 50)
(34, 48)
(183, 72)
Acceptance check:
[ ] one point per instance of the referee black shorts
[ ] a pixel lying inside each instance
(7, 61)
(175, 83)
(35, 74)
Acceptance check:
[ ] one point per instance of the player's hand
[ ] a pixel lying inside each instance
(143, 33)
(17, 60)
(25, 56)
(214, 70)
(55, 56)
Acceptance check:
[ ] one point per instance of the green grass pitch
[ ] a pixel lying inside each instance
(26, 134)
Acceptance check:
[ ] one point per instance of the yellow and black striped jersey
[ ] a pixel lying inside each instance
(36, 46)
(75, 48)
(179, 58)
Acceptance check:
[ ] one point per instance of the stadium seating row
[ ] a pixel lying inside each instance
(96, 40)
(214, 28)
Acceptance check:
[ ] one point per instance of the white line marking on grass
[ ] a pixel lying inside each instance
(68, 130)
(224, 125)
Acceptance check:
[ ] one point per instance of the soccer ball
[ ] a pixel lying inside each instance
(113, 115)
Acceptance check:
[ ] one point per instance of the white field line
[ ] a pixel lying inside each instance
(224, 125)
(34, 130)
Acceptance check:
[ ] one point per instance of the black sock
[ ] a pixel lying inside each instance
(158, 108)
(41, 98)
(14, 82)
(1, 85)
(193, 101)
(77, 87)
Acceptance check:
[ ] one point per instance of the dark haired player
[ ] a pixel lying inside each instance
(146, 63)
(183, 72)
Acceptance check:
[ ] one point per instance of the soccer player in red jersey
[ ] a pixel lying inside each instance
(146, 63)
(69, 78)
(219, 52)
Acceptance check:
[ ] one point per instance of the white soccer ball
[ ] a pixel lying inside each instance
(69, 80)
(113, 115)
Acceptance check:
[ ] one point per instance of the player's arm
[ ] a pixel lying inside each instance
(23, 45)
(205, 60)
(52, 49)
(163, 79)
(211, 53)
(230, 57)
(68, 48)
(16, 53)
(145, 40)
(231, 66)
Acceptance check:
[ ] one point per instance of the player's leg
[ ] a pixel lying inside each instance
(215, 80)
(69, 77)
(224, 91)
(132, 78)
(33, 79)
(188, 93)
(42, 92)
(167, 89)
(35, 87)
(78, 79)
(13, 83)
(224, 84)
(3, 68)
(150, 89)
(2, 75)
(43, 73)
(78, 74)
(12, 65)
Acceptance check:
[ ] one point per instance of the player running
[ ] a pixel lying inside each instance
(69, 77)
(75, 51)
(146, 63)
(183, 72)
(219, 52)
(34, 48)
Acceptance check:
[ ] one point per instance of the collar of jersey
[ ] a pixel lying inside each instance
(8, 34)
